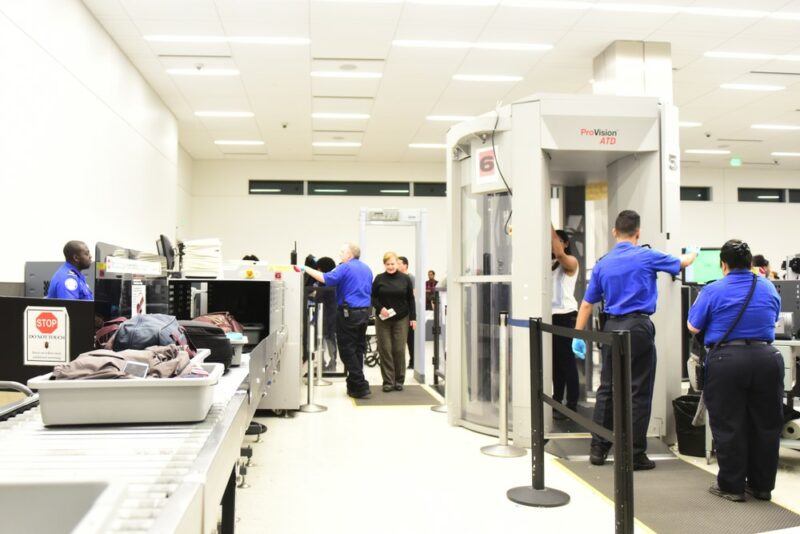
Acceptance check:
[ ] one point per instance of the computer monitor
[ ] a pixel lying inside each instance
(706, 268)
(165, 249)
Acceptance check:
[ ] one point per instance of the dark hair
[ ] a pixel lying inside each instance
(72, 248)
(627, 223)
(564, 236)
(326, 264)
(760, 261)
(736, 254)
(403, 259)
(311, 261)
(250, 257)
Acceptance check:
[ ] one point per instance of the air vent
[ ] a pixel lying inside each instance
(774, 73)
(741, 140)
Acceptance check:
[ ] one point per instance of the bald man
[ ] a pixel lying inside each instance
(68, 281)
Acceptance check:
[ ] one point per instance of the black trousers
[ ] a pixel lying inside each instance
(565, 368)
(744, 393)
(410, 343)
(643, 374)
(351, 336)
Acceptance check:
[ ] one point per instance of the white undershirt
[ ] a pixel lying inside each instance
(564, 291)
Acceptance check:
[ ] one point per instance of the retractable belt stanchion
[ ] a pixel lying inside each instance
(310, 406)
(622, 436)
(437, 331)
(320, 361)
(503, 449)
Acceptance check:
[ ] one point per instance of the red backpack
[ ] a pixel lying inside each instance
(104, 337)
(223, 320)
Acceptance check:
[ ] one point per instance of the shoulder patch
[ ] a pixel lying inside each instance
(71, 284)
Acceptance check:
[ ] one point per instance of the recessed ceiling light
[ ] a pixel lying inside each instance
(752, 55)
(466, 44)
(269, 190)
(238, 142)
(395, 191)
(786, 154)
(203, 72)
(449, 118)
(629, 7)
(689, 124)
(427, 145)
(712, 151)
(338, 144)
(224, 114)
(325, 190)
(775, 127)
(348, 66)
(212, 39)
(752, 87)
(353, 116)
(486, 78)
(345, 74)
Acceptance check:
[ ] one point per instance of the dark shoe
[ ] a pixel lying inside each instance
(398, 387)
(598, 455)
(558, 416)
(760, 495)
(642, 463)
(361, 395)
(735, 497)
(387, 389)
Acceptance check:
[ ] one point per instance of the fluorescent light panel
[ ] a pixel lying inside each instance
(665, 9)
(449, 118)
(775, 127)
(224, 114)
(427, 145)
(344, 74)
(338, 144)
(330, 190)
(768, 197)
(216, 39)
(752, 87)
(203, 72)
(689, 124)
(353, 116)
(486, 78)
(258, 190)
(394, 191)
(786, 154)
(466, 45)
(238, 142)
(712, 151)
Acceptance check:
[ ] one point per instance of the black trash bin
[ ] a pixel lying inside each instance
(691, 439)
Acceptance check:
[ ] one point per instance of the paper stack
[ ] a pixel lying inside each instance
(202, 258)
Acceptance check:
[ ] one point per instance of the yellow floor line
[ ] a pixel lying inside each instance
(597, 492)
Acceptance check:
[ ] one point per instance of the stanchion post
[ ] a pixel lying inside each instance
(623, 432)
(503, 449)
(310, 406)
(437, 330)
(537, 494)
(320, 359)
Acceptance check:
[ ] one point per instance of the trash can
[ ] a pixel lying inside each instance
(691, 439)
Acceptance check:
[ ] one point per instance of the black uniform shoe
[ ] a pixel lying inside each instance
(387, 389)
(360, 395)
(735, 497)
(760, 495)
(598, 455)
(398, 387)
(642, 463)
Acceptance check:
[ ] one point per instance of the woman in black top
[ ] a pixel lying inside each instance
(393, 299)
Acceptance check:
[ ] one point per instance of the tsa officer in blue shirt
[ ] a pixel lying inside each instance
(353, 281)
(744, 375)
(625, 279)
(68, 282)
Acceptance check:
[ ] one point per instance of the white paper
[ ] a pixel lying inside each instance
(46, 335)
(138, 298)
(390, 312)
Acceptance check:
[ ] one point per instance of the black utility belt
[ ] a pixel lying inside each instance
(740, 343)
(342, 308)
(629, 315)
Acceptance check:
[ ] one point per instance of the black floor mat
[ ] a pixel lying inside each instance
(410, 396)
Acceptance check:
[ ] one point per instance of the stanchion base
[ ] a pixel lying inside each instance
(439, 408)
(545, 498)
(323, 382)
(503, 451)
(313, 408)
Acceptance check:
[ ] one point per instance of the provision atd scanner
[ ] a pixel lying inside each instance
(501, 168)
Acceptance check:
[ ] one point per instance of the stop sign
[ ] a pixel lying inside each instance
(46, 323)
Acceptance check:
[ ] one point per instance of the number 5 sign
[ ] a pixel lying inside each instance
(486, 166)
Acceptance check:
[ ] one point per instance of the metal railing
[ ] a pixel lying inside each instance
(437, 332)
(314, 355)
(622, 436)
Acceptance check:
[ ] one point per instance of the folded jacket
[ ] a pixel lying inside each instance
(164, 362)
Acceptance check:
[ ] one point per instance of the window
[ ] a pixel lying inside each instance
(749, 194)
(696, 193)
(373, 189)
(794, 195)
(273, 187)
(430, 189)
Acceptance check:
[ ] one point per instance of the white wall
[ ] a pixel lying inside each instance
(267, 225)
(767, 227)
(87, 149)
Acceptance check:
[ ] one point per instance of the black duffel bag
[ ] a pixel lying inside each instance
(207, 336)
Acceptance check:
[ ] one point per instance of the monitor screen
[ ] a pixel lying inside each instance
(706, 268)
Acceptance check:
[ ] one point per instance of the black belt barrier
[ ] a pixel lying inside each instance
(622, 437)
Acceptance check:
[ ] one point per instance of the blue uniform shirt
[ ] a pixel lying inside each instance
(70, 284)
(720, 302)
(626, 279)
(353, 281)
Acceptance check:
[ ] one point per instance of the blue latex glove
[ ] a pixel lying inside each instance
(579, 348)
(692, 250)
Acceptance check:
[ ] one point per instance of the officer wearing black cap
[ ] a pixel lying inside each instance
(625, 279)
(744, 375)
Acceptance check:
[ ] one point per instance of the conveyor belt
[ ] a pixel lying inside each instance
(674, 497)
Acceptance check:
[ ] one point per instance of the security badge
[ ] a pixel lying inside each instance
(71, 284)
